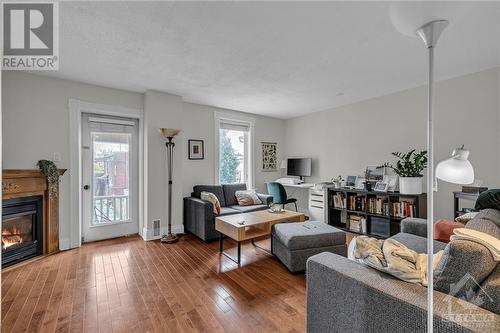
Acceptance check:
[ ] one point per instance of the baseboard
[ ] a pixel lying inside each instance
(147, 234)
(64, 244)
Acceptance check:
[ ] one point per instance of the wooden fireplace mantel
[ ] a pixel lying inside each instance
(27, 183)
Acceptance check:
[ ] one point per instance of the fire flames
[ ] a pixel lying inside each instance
(11, 237)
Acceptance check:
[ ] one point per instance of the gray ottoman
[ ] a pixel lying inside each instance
(294, 243)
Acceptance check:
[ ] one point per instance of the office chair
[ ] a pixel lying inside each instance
(277, 191)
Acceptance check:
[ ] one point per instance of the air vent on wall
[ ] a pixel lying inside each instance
(156, 228)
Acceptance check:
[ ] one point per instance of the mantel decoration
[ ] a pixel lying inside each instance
(409, 168)
(50, 170)
(269, 156)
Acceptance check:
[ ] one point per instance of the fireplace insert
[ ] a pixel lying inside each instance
(22, 229)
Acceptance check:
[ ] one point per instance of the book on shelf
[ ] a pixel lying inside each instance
(339, 200)
(357, 223)
(378, 206)
(403, 209)
(357, 202)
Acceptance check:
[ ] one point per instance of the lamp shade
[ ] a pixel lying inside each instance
(283, 164)
(457, 169)
(169, 132)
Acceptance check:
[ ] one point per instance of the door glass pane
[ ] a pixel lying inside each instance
(111, 177)
(232, 166)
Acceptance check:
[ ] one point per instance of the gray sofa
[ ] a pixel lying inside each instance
(344, 296)
(199, 218)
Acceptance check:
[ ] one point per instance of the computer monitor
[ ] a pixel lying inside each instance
(299, 167)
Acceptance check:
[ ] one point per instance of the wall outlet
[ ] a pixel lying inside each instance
(57, 157)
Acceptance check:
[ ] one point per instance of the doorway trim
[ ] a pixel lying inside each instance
(76, 108)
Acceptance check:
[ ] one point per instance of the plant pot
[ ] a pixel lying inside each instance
(410, 185)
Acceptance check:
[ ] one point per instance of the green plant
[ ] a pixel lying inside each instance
(50, 170)
(229, 163)
(410, 164)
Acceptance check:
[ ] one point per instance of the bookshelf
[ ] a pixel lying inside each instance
(376, 214)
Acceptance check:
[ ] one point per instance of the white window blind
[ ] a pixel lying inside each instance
(234, 125)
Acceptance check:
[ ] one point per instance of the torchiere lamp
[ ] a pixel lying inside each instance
(169, 134)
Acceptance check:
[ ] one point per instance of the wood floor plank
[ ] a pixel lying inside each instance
(128, 285)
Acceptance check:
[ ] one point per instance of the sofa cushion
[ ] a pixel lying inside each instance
(489, 293)
(247, 198)
(306, 235)
(488, 199)
(417, 243)
(230, 193)
(228, 211)
(215, 189)
(248, 209)
(463, 262)
(487, 221)
(443, 230)
(210, 197)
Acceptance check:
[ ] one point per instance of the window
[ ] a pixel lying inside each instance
(234, 158)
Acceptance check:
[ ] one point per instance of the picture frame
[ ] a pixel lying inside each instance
(374, 173)
(381, 187)
(360, 183)
(269, 156)
(350, 181)
(196, 149)
(392, 181)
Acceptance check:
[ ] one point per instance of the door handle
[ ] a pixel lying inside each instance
(86, 187)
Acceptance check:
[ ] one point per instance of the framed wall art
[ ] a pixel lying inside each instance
(196, 150)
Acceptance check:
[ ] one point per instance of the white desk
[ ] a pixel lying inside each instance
(301, 193)
(303, 185)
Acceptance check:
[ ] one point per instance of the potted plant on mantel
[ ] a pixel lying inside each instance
(409, 168)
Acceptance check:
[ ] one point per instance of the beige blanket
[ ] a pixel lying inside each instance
(392, 257)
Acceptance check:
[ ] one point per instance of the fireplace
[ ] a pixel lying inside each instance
(22, 229)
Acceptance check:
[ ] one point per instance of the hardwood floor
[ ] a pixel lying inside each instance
(128, 285)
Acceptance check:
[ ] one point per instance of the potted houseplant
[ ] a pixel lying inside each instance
(409, 168)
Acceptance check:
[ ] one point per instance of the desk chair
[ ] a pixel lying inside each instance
(277, 191)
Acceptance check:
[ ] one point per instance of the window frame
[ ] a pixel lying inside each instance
(220, 117)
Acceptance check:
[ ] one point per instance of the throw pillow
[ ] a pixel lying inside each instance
(208, 196)
(464, 265)
(443, 230)
(247, 198)
(466, 217)
(489, 293)
(488, 199)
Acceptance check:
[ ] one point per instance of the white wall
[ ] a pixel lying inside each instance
(36, 125)
(202, 122)
(346, 139)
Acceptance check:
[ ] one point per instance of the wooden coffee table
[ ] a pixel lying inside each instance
(241, 227)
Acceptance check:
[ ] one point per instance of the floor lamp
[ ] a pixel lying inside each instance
(456, 169)
(169, 134)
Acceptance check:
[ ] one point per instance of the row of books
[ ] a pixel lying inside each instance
(403, 209)
(339, 200)
(357, 224)
(356, 203)
(378, 206)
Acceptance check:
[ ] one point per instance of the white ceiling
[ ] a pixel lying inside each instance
(278, 59)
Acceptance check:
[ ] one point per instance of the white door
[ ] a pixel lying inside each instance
(110, 174)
